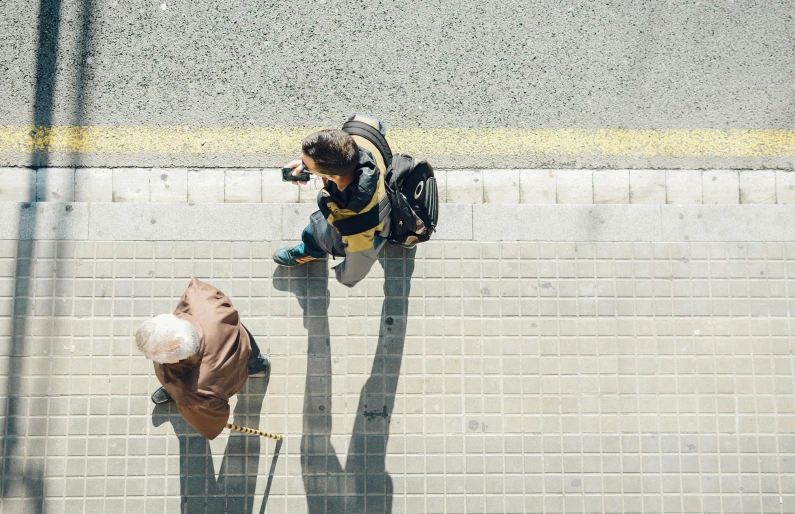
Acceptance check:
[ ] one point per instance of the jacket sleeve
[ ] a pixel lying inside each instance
(356, 266)
(207, 419)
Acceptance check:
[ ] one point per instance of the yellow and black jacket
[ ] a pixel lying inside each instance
(363, 194)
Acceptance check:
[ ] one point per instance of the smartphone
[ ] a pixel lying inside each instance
(287, 175)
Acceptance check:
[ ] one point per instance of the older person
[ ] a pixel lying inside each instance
(202, 356)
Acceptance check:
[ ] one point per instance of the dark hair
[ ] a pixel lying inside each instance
(334, 151)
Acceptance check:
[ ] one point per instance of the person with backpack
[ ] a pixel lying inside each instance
(362, 205)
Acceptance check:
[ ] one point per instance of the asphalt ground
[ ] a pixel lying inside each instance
(627, 66)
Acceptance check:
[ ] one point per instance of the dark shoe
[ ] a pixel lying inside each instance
(290, 256)
(402, 245)
(263, 365)
(161, 396)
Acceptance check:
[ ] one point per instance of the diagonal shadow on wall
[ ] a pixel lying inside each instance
(363, 485)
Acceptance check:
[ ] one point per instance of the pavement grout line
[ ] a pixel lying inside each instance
(459, 222)
(462, 186)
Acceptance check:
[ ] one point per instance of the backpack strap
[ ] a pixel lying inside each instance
(364, 221)
(370, 133)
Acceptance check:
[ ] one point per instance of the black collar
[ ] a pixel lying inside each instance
(358, 194)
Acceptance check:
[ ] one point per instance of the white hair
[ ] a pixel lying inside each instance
(167, 339)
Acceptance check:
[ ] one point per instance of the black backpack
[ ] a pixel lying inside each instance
(412, 196)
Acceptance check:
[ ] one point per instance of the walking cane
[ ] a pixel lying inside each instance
(260, 433)
(251, 431)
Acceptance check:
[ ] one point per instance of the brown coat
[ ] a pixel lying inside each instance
(202, 385)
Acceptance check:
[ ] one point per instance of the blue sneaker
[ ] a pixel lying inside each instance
(294, 256)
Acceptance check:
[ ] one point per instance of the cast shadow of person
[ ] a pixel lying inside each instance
(233, 490)
(363, 485)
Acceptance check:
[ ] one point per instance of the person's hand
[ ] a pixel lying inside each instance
(298, 167)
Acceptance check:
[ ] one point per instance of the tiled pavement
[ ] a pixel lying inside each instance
(526, 376)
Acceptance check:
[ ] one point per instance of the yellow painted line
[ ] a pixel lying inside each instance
(450, 142)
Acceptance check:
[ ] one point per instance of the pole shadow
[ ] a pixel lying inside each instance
(363, 485)
(233, 491)
(28, 484)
